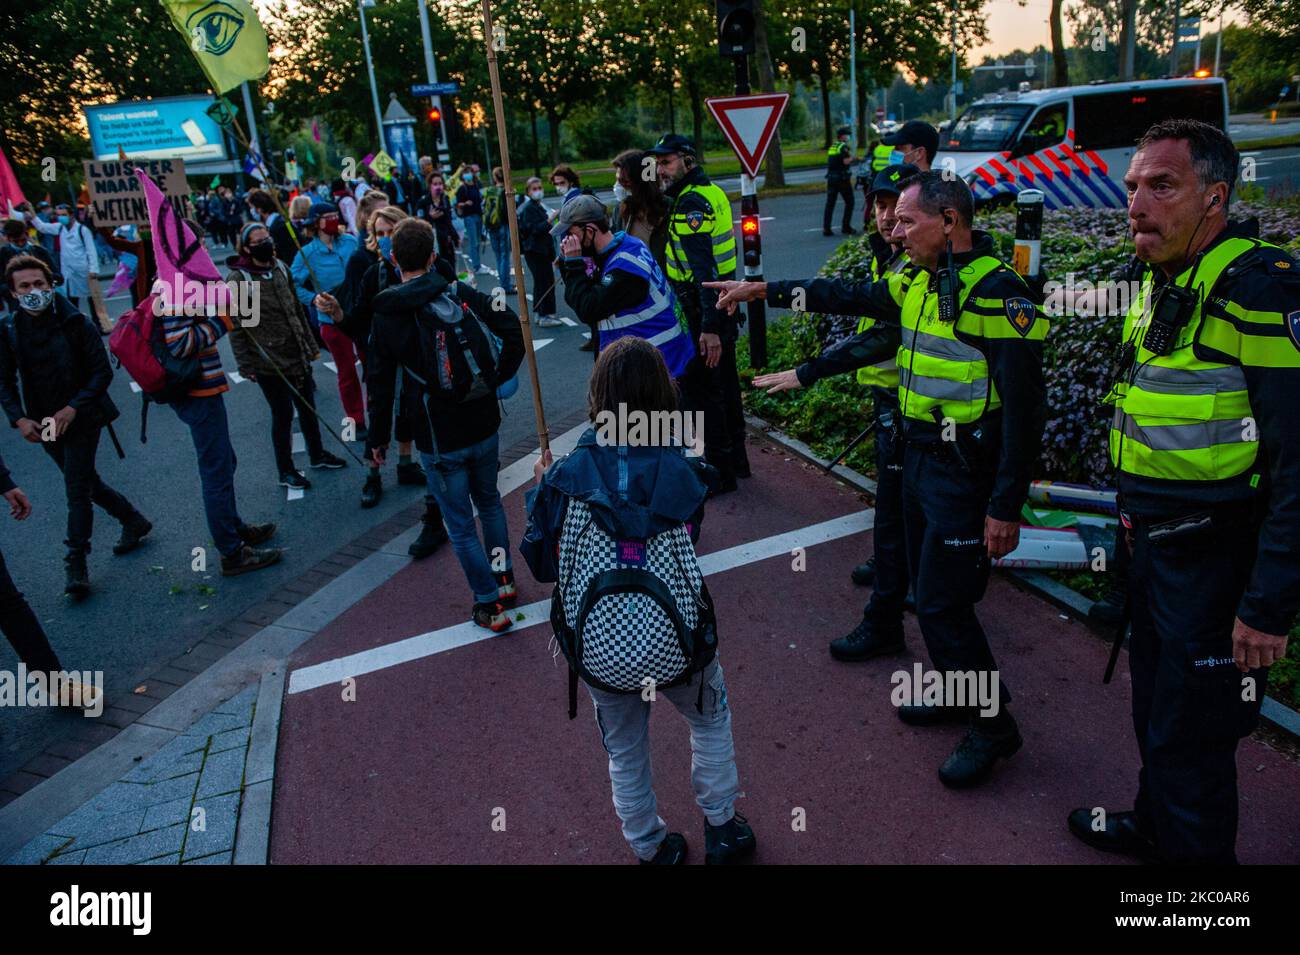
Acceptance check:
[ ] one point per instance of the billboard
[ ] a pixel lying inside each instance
(175, 127)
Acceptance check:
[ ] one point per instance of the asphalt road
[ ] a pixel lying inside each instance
(148, 606)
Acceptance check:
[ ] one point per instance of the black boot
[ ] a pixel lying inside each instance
(432, 535)
(134, 531)
(78, 585)
(730, 842)
(256, 534)
(1120, 833)
(372, 490)
(865, 573)
(987, 741)
(411, 473)
(870, 638)
(248, 559)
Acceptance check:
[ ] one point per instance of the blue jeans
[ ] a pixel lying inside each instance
(500, 238)
(460, 481)
(473, 231)
(206, 418)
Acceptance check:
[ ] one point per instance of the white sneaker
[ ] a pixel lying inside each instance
(548, 321)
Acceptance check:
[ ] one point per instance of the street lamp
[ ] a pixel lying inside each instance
(370, 68)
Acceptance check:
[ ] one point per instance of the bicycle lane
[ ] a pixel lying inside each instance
(410, 736)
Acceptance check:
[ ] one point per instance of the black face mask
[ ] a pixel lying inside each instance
(263, 251)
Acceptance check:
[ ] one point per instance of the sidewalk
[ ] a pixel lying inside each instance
(410, 736)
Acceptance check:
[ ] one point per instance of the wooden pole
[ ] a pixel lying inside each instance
(543, 437)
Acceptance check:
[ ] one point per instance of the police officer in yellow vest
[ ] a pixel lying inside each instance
(871, 353)
(702, 247)
(971, 397)
(1206, 442)
(839, 183)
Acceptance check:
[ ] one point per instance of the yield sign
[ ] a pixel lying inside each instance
(749, 122)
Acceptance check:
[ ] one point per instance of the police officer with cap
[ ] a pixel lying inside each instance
(839, 157)
(1206, 442)
(702, 248)
(871, 352)
(916, 142)
(971, 398)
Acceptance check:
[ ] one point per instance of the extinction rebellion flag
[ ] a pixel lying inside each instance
(225, 36)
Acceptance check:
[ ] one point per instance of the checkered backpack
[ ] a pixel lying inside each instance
(629, 614)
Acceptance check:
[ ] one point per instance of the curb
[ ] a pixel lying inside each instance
(252, 648)
(1036, 582)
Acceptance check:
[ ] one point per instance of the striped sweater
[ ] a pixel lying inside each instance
(188, 335)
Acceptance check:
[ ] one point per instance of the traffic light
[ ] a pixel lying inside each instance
(435, 114)
(735, 27)
(751, 240)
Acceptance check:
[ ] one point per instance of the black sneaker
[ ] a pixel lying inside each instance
(134, 532)
(411, 473)
(254, 534)
(78, 580)
(372, 490)
(1120, 834)
(507, 593)
(292, 479)
(972, 761)
(672, 851)
(865, 573)
(492, 616)
(327, 460)
(869, 639)
(248, 559)
(730, 842)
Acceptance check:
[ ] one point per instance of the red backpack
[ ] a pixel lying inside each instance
(138, 344)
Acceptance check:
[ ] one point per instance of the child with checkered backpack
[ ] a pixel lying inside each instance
(614, 525)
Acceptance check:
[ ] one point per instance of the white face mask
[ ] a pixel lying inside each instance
(620, 193)
(37, 300)
(537, 194)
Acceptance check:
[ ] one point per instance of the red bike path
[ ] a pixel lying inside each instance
(456, 748)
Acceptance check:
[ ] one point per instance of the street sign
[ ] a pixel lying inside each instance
(434, 89)
(749, 123)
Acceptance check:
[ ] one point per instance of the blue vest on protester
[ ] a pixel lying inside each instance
(657, 318)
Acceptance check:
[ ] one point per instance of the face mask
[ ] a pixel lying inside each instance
(36, 301)
(330, 226)
(896, 158)
(537, 194)
(468, 177)
(385, 243)
(620, 194)
(65, 220)
(262, 251)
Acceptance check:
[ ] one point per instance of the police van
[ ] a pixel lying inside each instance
(1072, 143)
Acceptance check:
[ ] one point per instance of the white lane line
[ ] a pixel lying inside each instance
(136, 388)
(297, 445)
(295, 493)
(568, 321)
(463, 634)
(586, 334)
(541, 343)
(332, 367)
(236, 377)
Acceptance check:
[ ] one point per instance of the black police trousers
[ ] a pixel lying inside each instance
(943, 515)
(838, 187)
(715, 392)
(888, 536)
(1188, 710)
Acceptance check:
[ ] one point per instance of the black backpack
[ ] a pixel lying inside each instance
(458, 353)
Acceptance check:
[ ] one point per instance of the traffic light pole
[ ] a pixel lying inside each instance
(757, 309)
(444, 154)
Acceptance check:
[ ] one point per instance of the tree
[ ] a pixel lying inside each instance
(1060, 69)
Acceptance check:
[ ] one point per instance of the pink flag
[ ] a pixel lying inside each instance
(186, 274)
(315, 131)
(11, 194)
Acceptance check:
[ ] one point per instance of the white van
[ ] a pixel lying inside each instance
(1074, 142)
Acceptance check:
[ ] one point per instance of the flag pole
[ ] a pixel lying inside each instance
(525, 324)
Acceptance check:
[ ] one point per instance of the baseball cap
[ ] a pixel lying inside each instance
(672, 143)
(578, 210)
(319, 209)
(843, 131)
(915, 133)
(888, 179)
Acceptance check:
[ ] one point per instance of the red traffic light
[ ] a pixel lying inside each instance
(435, 114)
(749, 225)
